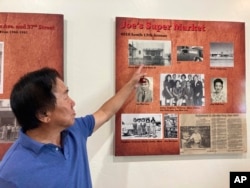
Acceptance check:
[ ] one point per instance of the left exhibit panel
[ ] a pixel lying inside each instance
(28, 41)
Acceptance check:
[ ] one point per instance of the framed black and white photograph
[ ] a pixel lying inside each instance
(141, 126)
(195, 137)
(218, 90)
(9, 128)
(171, 126)
(190, 53)
(144, 91)
(182, 89)
(221, 54)
(149, 52)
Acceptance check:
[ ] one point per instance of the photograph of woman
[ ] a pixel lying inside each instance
(218, 94)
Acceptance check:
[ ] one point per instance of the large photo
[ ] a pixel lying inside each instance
(184, 89)
(149, 52)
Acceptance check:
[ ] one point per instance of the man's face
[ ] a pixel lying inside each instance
(145, 85)
(196, 130)
(63, 115)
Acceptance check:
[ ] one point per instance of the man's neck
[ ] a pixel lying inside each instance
(45, 136)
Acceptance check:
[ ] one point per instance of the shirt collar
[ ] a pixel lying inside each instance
(29, 143)
(33, 145)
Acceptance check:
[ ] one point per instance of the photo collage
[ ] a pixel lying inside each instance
(186, 72)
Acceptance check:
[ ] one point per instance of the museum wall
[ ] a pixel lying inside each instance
(89, 72)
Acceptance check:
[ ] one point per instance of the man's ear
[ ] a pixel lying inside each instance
(43, 117)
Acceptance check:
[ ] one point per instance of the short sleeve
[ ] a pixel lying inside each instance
(86, 125)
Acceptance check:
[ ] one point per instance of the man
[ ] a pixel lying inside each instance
(51, 149)
(195, 139)
(198, 91)
(188, 94)
(144, 94)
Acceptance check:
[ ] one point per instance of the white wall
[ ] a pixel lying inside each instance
(90, 75)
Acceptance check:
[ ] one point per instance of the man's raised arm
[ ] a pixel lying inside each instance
(110, 107)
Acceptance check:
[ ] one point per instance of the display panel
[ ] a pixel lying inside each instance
(192, 68)
(27, 42)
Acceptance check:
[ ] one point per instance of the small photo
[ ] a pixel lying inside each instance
(149, 52)
(144, 92)
(170, 126)
(218, 90)
(190, 53)
(9, 128)
(221, 54)
(195, 137)
(141, 126)
(1, 65)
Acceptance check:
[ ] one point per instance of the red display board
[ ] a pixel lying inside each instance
(27, 42)
(193, 68)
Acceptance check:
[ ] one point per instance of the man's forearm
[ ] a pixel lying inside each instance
(110, 107)
(115, 103)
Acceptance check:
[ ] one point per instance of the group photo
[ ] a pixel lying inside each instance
(141, 126)
(182, 89)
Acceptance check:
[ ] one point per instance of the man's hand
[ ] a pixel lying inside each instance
(137, 76)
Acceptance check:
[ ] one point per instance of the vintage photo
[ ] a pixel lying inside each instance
(190, 53)
(218, 90)
(149, 52)
(170, 126)
(195, 137)
(221, 54)
(1, 65)
(144, 91)
(212, 133)
(182, 89)
(9, 127)
(141, 126)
